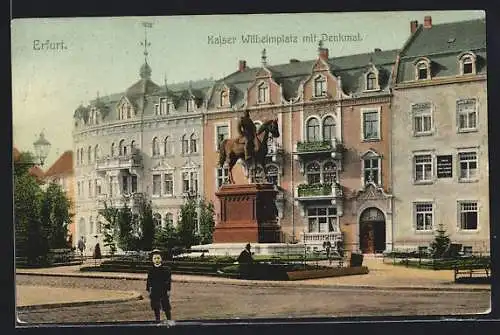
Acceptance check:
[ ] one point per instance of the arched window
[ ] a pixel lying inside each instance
(329, 173)
(121, 148)
(312, 130)
(91, 225)
(112, 149)
(194, 143)
(98, 227)
(132, 147)
(272, 174)
(129, 112)
(167, 146)
(185, 144)
(96, 152)
(169, 220)
(423, 70)
(468, 65)
(313, 171)
(320, 86)
(156, 147)
(371, 81)
(223, 98)
(89, 154)
(157, 220)
(328, 128)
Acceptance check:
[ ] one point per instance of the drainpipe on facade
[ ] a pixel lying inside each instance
(290, 128)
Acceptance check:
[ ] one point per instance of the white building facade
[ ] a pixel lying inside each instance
(440, 137)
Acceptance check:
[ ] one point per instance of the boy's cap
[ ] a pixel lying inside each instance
(155, 252)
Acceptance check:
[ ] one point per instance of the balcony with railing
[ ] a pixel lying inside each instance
(117, 201)
(306, 192)
(332, 148)
(319, 238)
(123, 162)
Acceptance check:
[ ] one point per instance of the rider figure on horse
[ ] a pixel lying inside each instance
(247, 129)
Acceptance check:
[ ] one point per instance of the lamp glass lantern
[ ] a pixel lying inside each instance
(42, 147)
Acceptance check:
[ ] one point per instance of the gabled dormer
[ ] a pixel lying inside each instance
(371, 78)
(124, 109)
(264, 90)
(224, 96)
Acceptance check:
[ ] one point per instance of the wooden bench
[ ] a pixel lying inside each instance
(472, 271)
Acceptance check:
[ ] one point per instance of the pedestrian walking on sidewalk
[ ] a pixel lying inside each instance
(158, 284)
(81, 246)
(327, 245)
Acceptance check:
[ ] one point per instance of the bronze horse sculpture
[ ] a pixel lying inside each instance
(233, 149)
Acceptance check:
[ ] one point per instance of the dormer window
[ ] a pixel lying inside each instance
(371, 81)
(423, 70)
(263, 92)
(223, 98)
(163, 106)
(467, 64)
(157, 109)
(320, 86)
(190, 105)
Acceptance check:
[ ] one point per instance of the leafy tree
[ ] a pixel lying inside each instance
(165, 237)
(126, 237)
(110, 214)
(23, 163)
(207, 222)
(441, 243)
(30, 239)
(186, 229)
(147, 225)
(55, 215)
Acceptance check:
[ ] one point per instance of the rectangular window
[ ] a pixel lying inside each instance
(423, 168)
(222, 133)
(424, 216)
(79, 186)
(370, 125)
(194, 182)
(222, 176)
(422, 118)
(111, 182)
(319, 88)
(185, 182)
(125, 184)
(466, 114)
(156, 184)
(322, 219)
(90, 189)
(371, 168)
(97, 187)
(168, 187)
(134, 183)
(468, 165)
(262, 93)
(468, 215)
(157, 109)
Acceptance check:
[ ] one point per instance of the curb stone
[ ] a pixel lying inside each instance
(272, 284)
(135, 296)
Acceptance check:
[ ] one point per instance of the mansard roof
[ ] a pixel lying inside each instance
(442, 44)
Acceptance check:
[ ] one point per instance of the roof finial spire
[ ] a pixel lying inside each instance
(146, 43)
(165, 80)
(145, 71)
(320, 45)
(264, 58)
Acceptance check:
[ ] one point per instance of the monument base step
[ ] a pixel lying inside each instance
(234, 249)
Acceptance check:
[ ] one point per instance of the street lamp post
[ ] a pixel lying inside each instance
(42, 147)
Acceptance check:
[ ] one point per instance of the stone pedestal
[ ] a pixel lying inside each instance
(247, 214)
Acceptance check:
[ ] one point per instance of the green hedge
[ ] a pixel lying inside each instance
(446, 264)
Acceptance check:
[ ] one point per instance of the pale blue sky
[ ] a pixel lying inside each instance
(104, 54)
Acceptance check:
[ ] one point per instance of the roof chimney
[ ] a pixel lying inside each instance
(377, 50)
(428, 22)
(322, 52)
(242, 66)
(413, 26)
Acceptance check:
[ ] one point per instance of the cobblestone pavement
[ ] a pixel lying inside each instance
(217, 301)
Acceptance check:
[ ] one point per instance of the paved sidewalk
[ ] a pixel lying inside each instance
(380, 276)
(34, 297)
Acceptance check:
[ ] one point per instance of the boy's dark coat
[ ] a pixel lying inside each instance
(159, 281)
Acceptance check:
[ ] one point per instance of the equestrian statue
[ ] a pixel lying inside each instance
(250, 146)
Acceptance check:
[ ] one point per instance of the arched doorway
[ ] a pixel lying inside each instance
(372, 231)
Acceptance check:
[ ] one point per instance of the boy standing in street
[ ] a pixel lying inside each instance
(158, 285)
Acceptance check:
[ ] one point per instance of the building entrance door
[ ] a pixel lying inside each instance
(372, 231)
